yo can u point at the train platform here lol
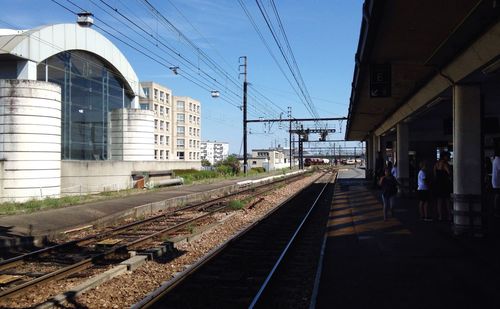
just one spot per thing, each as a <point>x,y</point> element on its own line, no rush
<point>34,228</point>
<point>402,262</point>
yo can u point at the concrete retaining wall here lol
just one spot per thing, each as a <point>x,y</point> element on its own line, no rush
<point>82,177</point>
<point>30,139</point>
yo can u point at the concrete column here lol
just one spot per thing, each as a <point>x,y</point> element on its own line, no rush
<point>26,69</point>
<point>368,157</point>
<point>30,140</point>
<point>132,134</point>
<point>402,159</point>
<point>467,206</point>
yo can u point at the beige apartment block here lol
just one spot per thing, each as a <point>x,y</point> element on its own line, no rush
<point>159,99</point>
<point>186,129</point>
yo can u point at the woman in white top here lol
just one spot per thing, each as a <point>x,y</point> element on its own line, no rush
<point>423,192</point>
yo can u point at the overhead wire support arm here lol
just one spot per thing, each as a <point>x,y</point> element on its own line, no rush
<point>297,119</point>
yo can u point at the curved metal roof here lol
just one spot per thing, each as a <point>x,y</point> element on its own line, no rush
<point>41,43</point>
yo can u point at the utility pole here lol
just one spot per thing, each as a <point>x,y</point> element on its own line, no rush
<point>245,85</point>
<point>290,135</point>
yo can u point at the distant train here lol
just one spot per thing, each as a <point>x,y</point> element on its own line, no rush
<point>315,161</point>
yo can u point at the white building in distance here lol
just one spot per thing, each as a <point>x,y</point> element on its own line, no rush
<point>214,151</point>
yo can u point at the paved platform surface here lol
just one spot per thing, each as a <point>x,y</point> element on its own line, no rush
<point>402,262</point>
<point>68,217</point>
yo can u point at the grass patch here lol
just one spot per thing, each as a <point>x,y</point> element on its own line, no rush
<point>11,208</point>
<point>237,204</point>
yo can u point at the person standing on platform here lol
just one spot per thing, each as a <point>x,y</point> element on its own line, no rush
<point>495,182</point>
<point>389,187</point>
<point>423,192</point>
<point>442,185</point>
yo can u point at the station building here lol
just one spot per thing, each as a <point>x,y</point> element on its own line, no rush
<point>70,119</point>
<point>426,80</point>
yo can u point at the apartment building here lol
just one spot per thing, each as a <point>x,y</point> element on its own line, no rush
<point>186,129</point>
<point>159,99</point>
<point>214,151</point>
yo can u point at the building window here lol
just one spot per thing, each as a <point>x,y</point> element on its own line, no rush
<point>167,110</point>
<point>167,97</point>
<point>161,139</point>
<point>167,126</point>
<point>190,143</point>
<point>156,138</point>
<point>198,120</point>
<point>190,131</point>
<point>180,105</point>
<point>161,154</point>
<point>198,132</point>
<point>146,91</point>
<point>180,143</point>
<point>254,162</point>
<point>190,106</point>
<point>198,109</point>
<point>190,155</point>
<point>198,155</point>
<point>156,154</point>
<point>156,94</point>
<point>162,124</point>
<point>156,123</point>
<point>161,110</point>
<point>144,106</point>
<point>167,140</point>
<point>180,130</point>
<point>166,154</point>
<point>180,118</point>
<point>162,95</point>
<point>180,155</point>
<point>156,109</point>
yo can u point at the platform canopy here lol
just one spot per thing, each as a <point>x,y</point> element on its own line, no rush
<point>403,45</point>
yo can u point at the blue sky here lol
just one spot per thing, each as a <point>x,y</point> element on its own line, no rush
<point>323,35</point>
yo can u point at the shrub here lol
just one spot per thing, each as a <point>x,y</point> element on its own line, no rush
<point>258,169</point>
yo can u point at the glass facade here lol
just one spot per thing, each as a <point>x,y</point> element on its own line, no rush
<point>90,89</point>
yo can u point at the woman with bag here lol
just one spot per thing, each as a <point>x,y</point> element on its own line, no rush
<point>389,186</point>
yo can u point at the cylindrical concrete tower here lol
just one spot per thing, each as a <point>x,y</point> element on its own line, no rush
<point>132,135</point>
<point>30,140</point>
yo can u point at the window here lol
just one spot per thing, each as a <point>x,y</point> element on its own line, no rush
<point>156,108</point>
<point>190,106</point>
<point>190,119</point>
<point>162,96</point>
<point>190,143</point>
<point>146,91</point>
<point>190,131</point>
<point>167,126</point>
<point>156,123</point>
<point>162,124</point>
<point>167,110</point>
<point>144,106</point>
<point>198,132</point>
<point>161,154</point>
<point>156,138</point>
<point>161,110</point>
<point>180,130</point>
<point>198,155</point>
<point>180,105</point>
<point>156,94</point>
<point>190,155</point>
<point>198,109</point>
<point>156,154</point>
<point>180,155</point>
<point>180,142</point>
<point>254,162</point>
<point>180,118</point>
<point>198,120</point>
<point>167,97</point>
<point>166,154</point>
<point>161,140</point>
<point>167,139</point>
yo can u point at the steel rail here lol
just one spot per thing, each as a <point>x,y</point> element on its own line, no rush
<point>15,261</point>
<point>86,263</point>
<point>168,286</point>
<point>289,244</point>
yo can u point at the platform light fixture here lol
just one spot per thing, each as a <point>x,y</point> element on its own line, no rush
<point>492,68</point>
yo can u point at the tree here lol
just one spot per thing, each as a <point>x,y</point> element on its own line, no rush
<point>205,162</point>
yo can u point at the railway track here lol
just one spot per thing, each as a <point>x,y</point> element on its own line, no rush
<point>233,274</point>
<point>112,246</point>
